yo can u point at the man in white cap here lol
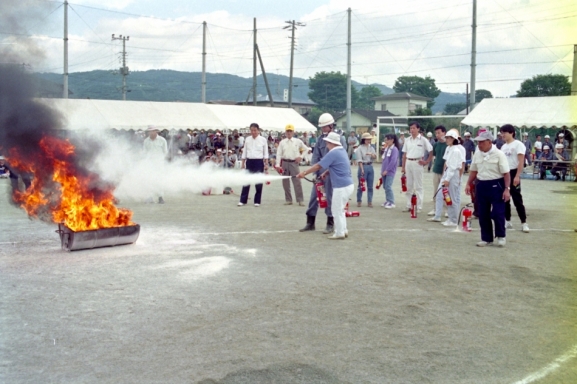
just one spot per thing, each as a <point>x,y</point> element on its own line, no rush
<point>288,157</point>
<point>492,190</point>
<point>561,140</point>
<point>544,161</point>
<point>432,141</point>
<point>549,142</point>
<point>499,141</point>
<point>469,146</point>
<point>365,154</point>
<point>336,163</point>
<point>561,155</point>
<point>156,149</point>
<point>326,124</point>
<point>538,145</point>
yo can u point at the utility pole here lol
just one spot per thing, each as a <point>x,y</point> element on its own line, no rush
<point>254,64</point>
<point>203,81</point>
<point>65,78</point>
<point>292,26</point>
<point>574,78</point>
<point>473,55</point>
<point>264,77</point>
<point>349,74</point>
<point>124,68</point>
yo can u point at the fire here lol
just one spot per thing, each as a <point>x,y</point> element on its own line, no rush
<point>62,193</point>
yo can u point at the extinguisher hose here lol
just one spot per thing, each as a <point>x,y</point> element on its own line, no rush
<point>461,212</point>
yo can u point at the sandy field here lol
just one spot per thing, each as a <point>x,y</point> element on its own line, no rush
<point>215,293</point>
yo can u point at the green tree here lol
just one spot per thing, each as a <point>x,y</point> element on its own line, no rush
<point>329,91</point>
<point>454,108</point>
<point>366,96</point>
<point>419,86</point>
<point>427,125</point>
<point>545,85</point>
<point>481,94</point>
<point>313,116</point>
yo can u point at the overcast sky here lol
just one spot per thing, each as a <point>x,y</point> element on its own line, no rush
<point>516,39</point>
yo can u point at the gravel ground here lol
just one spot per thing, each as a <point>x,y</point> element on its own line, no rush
<point>214,293</point>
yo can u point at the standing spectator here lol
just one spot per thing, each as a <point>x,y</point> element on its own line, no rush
<point>514,150</point>
<point>156,149</point>
<point>202,139</point>
<point>287,162</point>
<point>351,141</point>
<point>548,142</point>
<point>455,161</point>
<point>241,140</point>
<point>326,124</point>
<point>438,161</point>
<point>335,163</point>
<point>528,149</point>
<point>432,141</point>
<point>313,140</point>
<point>413,152</point>
<point>401,145</point>
<point>538,145</point>
<point>389,168</point>
<point>374,137</point>
<point>499,142</point>
<point>365,155</point>
<point>469,146</point>
<point>491,170</point>
<point>254,159</point>
<point>305,139</point>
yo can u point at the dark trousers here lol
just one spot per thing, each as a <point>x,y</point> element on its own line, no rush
<point>517,200</point>
<point>314,204</point>
<point>491,207</point>
<point>253,166</point>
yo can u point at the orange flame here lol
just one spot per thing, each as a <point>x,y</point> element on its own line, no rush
<point>73,200</point>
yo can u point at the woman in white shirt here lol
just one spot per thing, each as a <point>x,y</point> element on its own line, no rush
<point>454,162</point>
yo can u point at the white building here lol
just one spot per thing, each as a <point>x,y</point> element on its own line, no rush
<point>400,103</point>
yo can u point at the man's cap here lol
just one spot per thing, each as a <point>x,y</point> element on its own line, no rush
<point>547,136</point>
<point>498,133</point>
<point>557,146</point>
<point>333,138</point>
<point>525,134</point>
<point>152,128</point>
<point>219,150</point>
<point>289,127</point>
<point>484,136</point>
<point>452,133</point>
<point>546,147</point>
<point>467,134</point>
<point>561,135</point>
<point>2,158</point>
<point>366,135</point>
<point>429,134</point>
<point>230,151</point>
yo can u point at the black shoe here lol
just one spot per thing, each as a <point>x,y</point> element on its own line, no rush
<point>330,226</point>
<point>563,178</point>
<point>160,200</point>
<point>310,224</point>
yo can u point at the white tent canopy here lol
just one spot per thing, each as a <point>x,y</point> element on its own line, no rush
<point>85,114</point>
<point>528,112</point>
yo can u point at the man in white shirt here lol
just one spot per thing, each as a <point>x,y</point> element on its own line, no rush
<point>491,170</point>
<point>414,150</point>
<point>515,152</point>
<point>288,157</point>
<point>156,149</point>
<point>254,159</point>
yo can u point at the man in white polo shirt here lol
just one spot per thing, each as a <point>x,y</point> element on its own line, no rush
<point>254,160</point>
<point>414,150</point>
<point>288,157</point>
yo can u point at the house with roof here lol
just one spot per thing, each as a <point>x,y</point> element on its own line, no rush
<point>362,120</point>
<point>401,104</point>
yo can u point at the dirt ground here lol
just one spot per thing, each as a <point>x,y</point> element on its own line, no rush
<point>215,293</point>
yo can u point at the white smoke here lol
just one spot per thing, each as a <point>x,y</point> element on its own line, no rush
<point>138,177</point>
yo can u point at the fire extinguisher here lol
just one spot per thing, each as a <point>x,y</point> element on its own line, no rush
<point>446,196</point>
<point>414,206</point>
<point>362,184</point>
<point>404,183</point>
<point>379,183</point>
<point>352,213</point>
<point>321,195</point>
<point>467,214</point>
<point>267,182</point>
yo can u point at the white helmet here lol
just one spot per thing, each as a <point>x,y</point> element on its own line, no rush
<point>325,119</point>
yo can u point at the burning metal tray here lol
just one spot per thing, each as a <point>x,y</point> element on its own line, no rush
<point>105,237</point>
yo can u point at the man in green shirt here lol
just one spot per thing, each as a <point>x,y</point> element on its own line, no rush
<point>438,161</point>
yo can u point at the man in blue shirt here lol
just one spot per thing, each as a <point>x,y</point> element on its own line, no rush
<point>336,164</point>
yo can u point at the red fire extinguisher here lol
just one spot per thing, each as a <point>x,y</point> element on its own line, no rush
<point>267,182</point>
<point>404,183</point>
<point>352,213</point>
<point>467,213</point>
<point>362,184</point>
<point>447,197</point>
<point>414,206</point>
<point>321,195</point>
<point>379,183</point>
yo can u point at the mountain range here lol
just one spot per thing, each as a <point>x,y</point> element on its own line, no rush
<point>168,85</point>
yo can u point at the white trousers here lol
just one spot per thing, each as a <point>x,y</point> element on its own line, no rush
<point>414,173</point>
<point>455,193</point>
<point>340,198</point>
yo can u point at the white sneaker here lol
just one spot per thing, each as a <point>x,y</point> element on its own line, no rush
<point>434,219</point>
<point>431,213</point>
<point>446,214</point>
<point>390,206</point>
<point>484,244</point>
<point>449,223</point>
<point>407,209</point>
<point>525,227</point>
<point>240,204</point>
<point>335,237</point>
<point>501,241</point>
<point>384,204</point>
<point>419,210</point>
<point>256,205</point>
<point>508,225</point>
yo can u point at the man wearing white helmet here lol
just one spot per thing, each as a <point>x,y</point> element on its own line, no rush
<point>326,124</point>
<point>549,143</point>
<point>560,168</point>
<point>545,158</point>
<point>561,140</point>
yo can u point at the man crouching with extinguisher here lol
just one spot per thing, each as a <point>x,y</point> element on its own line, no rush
<point>326,123</point>
<point>336,164</point>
